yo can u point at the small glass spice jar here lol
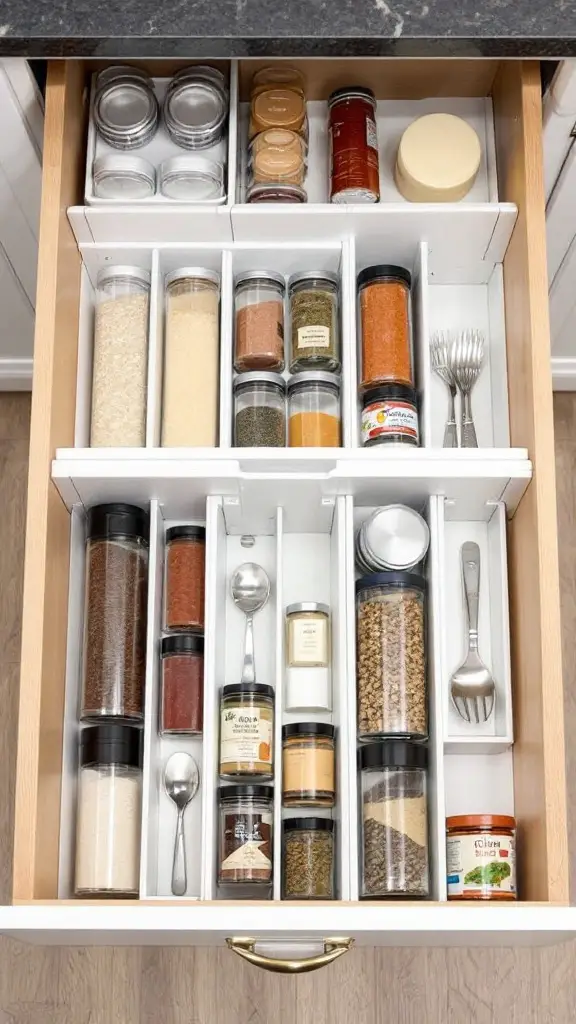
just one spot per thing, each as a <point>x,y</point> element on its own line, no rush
<point>246,730</point>
<point>390,416</point>
<point>125,108</point>
<point>384,293</point>
<point>259,410</point>
<point>315,335</point>
<point>259,310</point>
<point>308,682</point>
<point>277,155</point>
<point>392,537</point>
<point>275,193</point>
<point>195,109</point>
<point>308,859</point>
<point>354,146</point>
<point>314,410</point>
<point>124,177</point>
<point>184,578</point>
<point>246,831</point>
<point>182,687</point>
<point>191,178</point>
<point>278,106</point>
<point>481,857</point>
<point>308,773</point>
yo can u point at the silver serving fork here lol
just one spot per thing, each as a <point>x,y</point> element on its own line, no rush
<point>466,359</point>
<point>472,687</point>
<point>440,346</point>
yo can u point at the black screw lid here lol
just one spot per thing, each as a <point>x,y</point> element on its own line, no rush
<point>183,643</point>
<point>111,743</point>
<point>383,272</point>
<point>118,520</point>
<point>260,689</point>
<point>307,729</point>
<point>388,392</point>
<point>393,754</point>
<point>238,792</point>
<point>350,90</point>
<point>308,824</point>
<point>188,532</point>
<point>392,578</point>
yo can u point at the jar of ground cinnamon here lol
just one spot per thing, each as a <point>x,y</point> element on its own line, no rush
<point>386,343</point>
<point>182,688</point>
<point>184,582</point>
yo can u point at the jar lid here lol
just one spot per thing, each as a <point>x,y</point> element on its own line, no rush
<point>276,193</point>
<point>351,92</point>
<point>186,531</point>
<point>308,606</point>
<point>122,71</point>
<point>308,824</point>
<point>237,792</point>
<point>308,729</point>
<point>258,689</point>
<point>279,74</point>
<point>393,754</point>
<point>182,643</point>
<point>383,272</point>
<point>111,743</point>
<point>480,821</point>
<point>313,275</point>
<point>391,579</point>
<point>260,275</point>
<point>388,392</point>
<point>125,106</point>
<point>394,537</point>
<point>191,177</point>
<point>195,105</point>
<point>314,377</point>
<point>110,273</point>
<point>200,71</point>
<point>260,377</point>
<point>199,273</point>
<point>123,176</point>
<point>117,520</point>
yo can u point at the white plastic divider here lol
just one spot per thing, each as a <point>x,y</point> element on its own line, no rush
<point>421,343</point>
<point>226,349</point>
<point>278,705</point>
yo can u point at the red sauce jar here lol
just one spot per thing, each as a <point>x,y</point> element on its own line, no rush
<point>354,176</point>
<point>182,690</point>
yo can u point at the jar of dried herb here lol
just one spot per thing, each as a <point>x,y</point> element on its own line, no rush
<point>246,828</point>
<point>315,332</point>
<point>386,342</point>
<point>259,410</point>
<point>184,582</point>
<point>308,777</point>
<point>259,334</point>
<point>246,730</point>
<point>182,689</point>
<point>114,661</point>
<point>308,859</point>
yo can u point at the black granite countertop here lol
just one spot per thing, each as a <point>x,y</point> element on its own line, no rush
<point>251,28</point>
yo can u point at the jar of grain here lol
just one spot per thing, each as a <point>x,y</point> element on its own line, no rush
<point>120,359</point>
<point>385,326</point>
<point>314,331</point>
<point>259,410</point>
<point>114,660</point>
<point>191,359</point>
<point>390,655</point>
<point>246,829</point>
<point>308,859</point>
<point>184,578</point>
<point>246,730</point>
<point>308,777</point>
<point>314,410</point>
<point>182,688</point>
<point>259,334</point>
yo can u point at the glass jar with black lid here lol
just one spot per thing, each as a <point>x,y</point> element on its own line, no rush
<point>245,835</point>
<point>259,410</point>
<point>390,416</point>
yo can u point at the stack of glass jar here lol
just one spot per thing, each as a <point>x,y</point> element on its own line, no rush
<point>278,137</point>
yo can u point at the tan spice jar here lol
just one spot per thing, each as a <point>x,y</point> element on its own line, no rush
<point>246,731</point>
<point>384,293</point>
<point>277,155</point>
<point>308,765</point>
<point>278,107</point>
<point>481,857</point>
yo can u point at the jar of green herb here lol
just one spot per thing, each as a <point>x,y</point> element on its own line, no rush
<point>315,335</point>
<point>308,859</point>
<point>259,410</point>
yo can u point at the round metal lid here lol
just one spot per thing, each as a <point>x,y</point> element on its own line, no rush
<point>313,275</point>
<point>314,377</point>
<point>395,537</point>
<point>125,106</point>
<point>260,377</point>
<point>191,164</point>
<point>114,163</point>
<point>193,106</point>
<point>260,275</point>
<point>109,273</point>
<point>308,606</point>
<point>203,273</point>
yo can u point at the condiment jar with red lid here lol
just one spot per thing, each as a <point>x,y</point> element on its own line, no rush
<point>481,857</point>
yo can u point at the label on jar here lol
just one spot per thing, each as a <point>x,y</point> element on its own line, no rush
<point>383,418</point>
<point>371,134</point>
<point>246,736</point>
<point>247,845</point>
<point>480,864</point>
<point>314,336</point>
<point>308,770</point>
<point>308,642</point>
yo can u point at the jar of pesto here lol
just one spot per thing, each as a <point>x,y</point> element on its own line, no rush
<point>314,326</point>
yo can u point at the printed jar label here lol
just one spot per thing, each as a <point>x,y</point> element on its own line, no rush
<point>393,417</point>
<point>308,770</point>
<point>480,864</point>
<point>371,134</point>
<point>308,644</point>
<point>247,844</point>
<point>313,337</point>
<point>246,736</point>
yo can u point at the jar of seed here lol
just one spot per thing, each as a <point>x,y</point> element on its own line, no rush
<point>315,335</point>
<point>259,410</point>
<point>308,859</point>
<point>246,731</point>
<point>259,335</point>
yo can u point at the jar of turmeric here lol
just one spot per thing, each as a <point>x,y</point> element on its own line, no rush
<point>314,410</point>
<point>386,343</point>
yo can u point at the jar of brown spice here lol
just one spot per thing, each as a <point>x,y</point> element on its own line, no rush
<point>182,697</point>
<point>184,583</point>
<point>384,293</point>
<point>259,335</point>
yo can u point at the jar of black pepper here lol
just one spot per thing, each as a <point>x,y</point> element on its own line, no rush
<point>314,321</point>
<point>114,661</point>
<point>259,410</point>
<point>308,859</point>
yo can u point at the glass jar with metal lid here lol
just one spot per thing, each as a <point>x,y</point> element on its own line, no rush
<point>278,74</point>
<point>314,410</point>
<point>191,179</point>
<point>195,109</point>
<point>392,537</point>
<point>354,174</point>
<point>123,176</point>
<point>259,321</point>
<point>259,410</point>
<point>277,155</point>
<point>276,193</point>
<point>315,334</point>
<point>125,108</point>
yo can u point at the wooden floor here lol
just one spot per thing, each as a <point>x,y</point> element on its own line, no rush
<point>119,986</point>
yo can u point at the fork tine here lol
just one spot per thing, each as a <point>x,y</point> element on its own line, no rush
<point>476,703</point>
<point>466,715</point>
<point>485,710</point>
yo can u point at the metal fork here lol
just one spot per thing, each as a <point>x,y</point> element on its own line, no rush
<point>466,359</point>
<point>472,687</point>
<point>440,345</point>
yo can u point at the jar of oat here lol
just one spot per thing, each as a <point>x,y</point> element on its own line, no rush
<point>390,655</point>
<point>259,334</point>
<point>386,343</point>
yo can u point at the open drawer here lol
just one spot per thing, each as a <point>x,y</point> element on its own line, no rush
<point>533,773</point>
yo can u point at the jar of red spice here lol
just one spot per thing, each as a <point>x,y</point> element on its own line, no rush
<point>182,688</point>
<point>184,583</point>
<point>384,293</point>
<point>354,176</point>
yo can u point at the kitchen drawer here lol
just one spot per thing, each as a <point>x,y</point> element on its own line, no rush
<point>536,675</point>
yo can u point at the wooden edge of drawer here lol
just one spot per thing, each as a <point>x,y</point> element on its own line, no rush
<point>539,768</point>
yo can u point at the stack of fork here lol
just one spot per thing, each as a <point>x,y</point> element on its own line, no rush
<point>457,359</point>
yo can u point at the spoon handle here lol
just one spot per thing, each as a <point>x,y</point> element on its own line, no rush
<point>179,879</point>
<point>249,668</point>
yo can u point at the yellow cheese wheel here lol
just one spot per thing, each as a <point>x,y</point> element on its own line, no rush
<point>438,159</point>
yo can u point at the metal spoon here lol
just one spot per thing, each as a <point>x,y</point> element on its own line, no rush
<point>250,588</point>
<point>181,781</point>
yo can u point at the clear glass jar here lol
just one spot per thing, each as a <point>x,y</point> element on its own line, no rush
<point>120,358</point>
<point>185,569</point>
<point>273,193</point>
<point>394,843</point>
<point>182,685</point>
<point>123,177</point>
<point>481,857</point>
<point>391,655</point>
<point>392,537</point>
<point>384,294</point>
<point>109,809</point>
<point>259,328</point>
<point>354,175</point>
<point>308,643</point>
<point>125,108</point>
<point>315,334</point>
<point>114,660</point>
<point>246,834</point>
<point>196,108</point>
<point>191,359</point>
<point>314,410</point>
<point>277,155</point>
<point>246,731</point>
<point>308,859</point>
<point>308,772</point>
<point>259,410</point>
<point>390,416</point>
<point>278,105</point>
<point>278,74</point>
<point>191,179</point>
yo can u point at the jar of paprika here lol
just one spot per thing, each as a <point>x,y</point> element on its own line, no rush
<point>354,176</point>
<point>181,707</point>
<point>386,343</point>
<point>184,583</point>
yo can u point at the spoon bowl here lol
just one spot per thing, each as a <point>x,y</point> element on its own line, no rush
<point>250,589</point>
<point>181,782</point>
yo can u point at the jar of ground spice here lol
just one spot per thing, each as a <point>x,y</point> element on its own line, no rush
<point>384,293</point>
<point>246,730</point>
<point>114,661</point>
<point>246,827</point>
<point>259,410</point>
<point>308,773</point>
<point>308,859</point>
<point>184,582</point>
<point>259,335</point>
<point>182,689</point>
<point>314,410</point>
<point>315,335</point>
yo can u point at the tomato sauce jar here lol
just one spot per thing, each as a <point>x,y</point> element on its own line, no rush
<point>354,176</point>
<point>481,857</point>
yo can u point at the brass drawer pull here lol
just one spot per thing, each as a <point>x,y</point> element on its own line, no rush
<point>333,948</point>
